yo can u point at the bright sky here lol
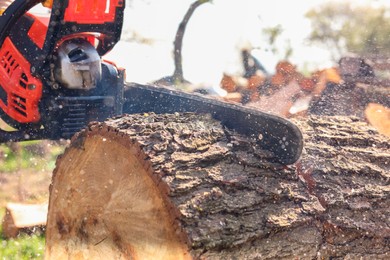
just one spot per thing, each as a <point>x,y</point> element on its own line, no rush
<point>213,36</point>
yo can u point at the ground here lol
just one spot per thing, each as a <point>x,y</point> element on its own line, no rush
<point>25,176</point>
<point>25,170</point>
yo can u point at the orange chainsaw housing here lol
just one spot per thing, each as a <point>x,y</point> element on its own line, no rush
<point>20,92</point>
<point>92,11</point>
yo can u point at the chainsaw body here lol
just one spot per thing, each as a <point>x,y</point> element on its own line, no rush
<point>53,80</point>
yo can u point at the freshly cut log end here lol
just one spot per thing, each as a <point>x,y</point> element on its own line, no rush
<point>106,202</point>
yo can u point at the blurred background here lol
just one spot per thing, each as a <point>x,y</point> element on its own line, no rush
<point>274,30</point>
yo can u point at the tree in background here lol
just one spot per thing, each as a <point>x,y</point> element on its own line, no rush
<point>177,45</point>
<point>343,27</point>
<point>177,78</point>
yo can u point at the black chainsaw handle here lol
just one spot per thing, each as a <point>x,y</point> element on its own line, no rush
<point>12,14</point>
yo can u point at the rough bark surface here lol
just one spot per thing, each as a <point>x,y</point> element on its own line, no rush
<point>211,193</point>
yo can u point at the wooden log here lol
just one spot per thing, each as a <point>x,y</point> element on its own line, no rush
<point>26,218</point>
<point>182,187</point>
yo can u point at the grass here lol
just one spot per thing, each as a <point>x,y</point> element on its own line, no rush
<point>25,172</point>
<point>33,155</point>
<point>24,247</point>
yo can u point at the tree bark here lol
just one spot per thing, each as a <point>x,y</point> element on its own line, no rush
<point>181,186</point>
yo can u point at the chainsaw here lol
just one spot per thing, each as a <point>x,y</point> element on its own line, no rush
<point>54,79</point>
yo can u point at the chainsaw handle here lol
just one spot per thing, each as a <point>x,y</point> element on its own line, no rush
<point>12,14</point>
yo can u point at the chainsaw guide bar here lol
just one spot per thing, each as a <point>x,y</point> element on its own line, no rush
<point>273,133</point>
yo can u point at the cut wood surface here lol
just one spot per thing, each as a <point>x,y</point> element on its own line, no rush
<point>180,187</point>
<point>23,217</point>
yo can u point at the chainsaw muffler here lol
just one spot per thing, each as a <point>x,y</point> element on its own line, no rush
<point>78,65</point>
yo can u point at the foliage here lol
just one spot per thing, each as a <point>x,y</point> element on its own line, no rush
<point>23,247</point>
<point>273,35</point>
<point>343,27</point>
<point>34,155</point>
